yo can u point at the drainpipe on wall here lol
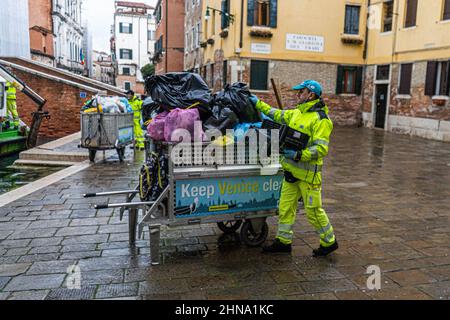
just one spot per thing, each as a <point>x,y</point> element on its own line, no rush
<point>394,37</point>
<point>365,63</point>
<point>241,41</point>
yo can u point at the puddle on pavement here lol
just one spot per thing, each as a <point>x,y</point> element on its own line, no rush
<point>13,178</point>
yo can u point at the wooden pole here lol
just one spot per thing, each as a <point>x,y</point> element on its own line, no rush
<point>277,94</point>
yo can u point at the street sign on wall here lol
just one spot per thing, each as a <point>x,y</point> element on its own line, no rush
<point>261,48</point>
<point>302,42</point>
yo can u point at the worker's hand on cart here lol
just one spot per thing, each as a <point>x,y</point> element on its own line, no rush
<point>292,154</point>
<point>254,100</point>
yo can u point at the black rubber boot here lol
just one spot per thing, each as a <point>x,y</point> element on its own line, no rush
<point>278,246</point>
<point>324,251</point>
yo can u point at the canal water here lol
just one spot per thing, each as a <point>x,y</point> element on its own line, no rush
<point>11,179</point>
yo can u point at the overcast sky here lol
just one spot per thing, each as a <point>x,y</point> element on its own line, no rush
<point>100,16</point>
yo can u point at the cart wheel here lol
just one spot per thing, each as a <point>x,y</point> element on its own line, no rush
<point>121,154</point>
<point>229,226</point>
<point>252,239</point>
<point>92,154</point>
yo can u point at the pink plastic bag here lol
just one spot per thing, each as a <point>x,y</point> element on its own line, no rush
<point>156,128</point>
<point>184,119</point>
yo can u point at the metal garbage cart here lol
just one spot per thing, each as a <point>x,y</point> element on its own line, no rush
<point>236,193</point>
<point>106,131</point>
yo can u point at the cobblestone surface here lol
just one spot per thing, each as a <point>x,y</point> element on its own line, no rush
<point>388,197</point>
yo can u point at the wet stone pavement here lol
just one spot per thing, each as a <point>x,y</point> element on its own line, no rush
<point>387,195</point>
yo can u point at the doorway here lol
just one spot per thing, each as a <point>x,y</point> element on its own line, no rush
<point>381,98</point>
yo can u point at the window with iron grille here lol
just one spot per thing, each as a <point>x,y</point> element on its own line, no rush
<point>388,9</point>
<point>351,19</point>
<point>405,78</point>
<point>411,13</point>
<point>259,74</point>
<point>383,72</point>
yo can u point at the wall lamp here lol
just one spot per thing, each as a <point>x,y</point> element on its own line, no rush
<point>229,16</point>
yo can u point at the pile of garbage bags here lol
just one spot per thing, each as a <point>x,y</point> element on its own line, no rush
<point>182,100</point>
<point>101,104</point>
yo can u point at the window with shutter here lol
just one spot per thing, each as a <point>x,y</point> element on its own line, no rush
<point>225,72</point>
<point>411,13</point>
<point>259,73</point>
<point>405,78</point>
<point>351,19</point>
<point>349,80</point>
<point>225,23</point>
<point>442,79</point>
<point>430,82</point>
<point>446,15</point>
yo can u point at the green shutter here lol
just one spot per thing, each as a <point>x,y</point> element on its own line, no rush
<point>359,79</point>
<point>251,13</point>
<point>430,82</point>
<point>225,19</point>
<point>340,80</point>
<point>120,27</point>
<point>273,13</point>
<point>131,28</point>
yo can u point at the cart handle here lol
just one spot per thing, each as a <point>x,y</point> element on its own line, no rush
<point>112,193</point>
<point>122,205</point>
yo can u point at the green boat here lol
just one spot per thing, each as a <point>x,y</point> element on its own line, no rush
<point>11,142</point>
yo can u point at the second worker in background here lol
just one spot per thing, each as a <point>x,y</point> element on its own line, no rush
<point>136,105</point>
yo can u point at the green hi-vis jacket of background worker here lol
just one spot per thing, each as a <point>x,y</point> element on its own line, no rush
<point>303,168</point>
<point>11,104</point>
<point>136,105</point>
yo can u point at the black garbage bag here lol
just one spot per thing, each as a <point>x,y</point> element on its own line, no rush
<point>149,109</point>
<point>236,97</point>
<point>223,118</point>
<point>180,90</point>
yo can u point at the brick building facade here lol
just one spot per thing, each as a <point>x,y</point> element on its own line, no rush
<point>65,94</point>
<point>41,31</point>
<point>169,45</point>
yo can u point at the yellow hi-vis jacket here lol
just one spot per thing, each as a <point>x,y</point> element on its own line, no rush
<point>312,119</point>
<point>11,91</point>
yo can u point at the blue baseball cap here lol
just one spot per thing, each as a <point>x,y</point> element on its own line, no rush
<point>311,85</point>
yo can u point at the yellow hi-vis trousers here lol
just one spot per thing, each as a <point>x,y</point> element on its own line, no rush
<point>312,197</point>
<point>138,132</point>
<point>11,110</point>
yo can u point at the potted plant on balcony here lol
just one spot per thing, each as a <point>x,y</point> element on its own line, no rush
<point>261,32</point>
<point>210,41</point>
<point>224,33</point>
<point>352,39</point>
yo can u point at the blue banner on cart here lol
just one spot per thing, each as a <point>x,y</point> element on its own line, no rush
<point>125,135</point>
<point>204,197</point>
